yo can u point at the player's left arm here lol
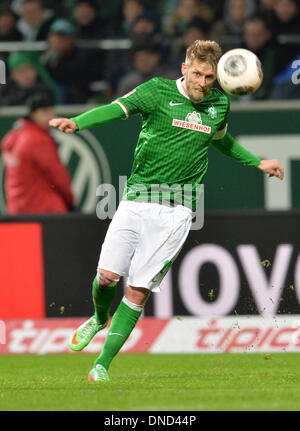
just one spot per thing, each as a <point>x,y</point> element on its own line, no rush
<point>229,146</point>
<point>272,168</point>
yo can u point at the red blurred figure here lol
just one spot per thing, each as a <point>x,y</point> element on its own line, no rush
<point>35,179</point>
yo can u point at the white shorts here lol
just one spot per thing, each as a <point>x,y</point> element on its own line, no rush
<point>143,240</point>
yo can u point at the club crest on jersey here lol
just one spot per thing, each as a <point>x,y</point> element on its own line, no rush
<point>212,112</point>
<point>193,121</point>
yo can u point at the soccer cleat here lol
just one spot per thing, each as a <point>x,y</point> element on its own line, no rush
<point>98,374</point>
<point>84,334</point>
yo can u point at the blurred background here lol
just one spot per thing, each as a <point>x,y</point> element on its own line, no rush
<point>64,57</point>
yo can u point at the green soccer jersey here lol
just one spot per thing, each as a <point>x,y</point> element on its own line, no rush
<point>171,155</point>
<point>172,148</point>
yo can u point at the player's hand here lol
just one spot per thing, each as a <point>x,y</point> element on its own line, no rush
<point>64,124</point>
<point>272,168</point>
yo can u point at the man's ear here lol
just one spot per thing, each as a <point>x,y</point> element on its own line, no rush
<point>183,68</point>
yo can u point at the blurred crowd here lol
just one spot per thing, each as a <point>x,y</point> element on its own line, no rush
<point>73,68</point>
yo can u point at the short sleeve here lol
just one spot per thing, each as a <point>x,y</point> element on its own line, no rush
<point>141,100</point>
<point>226,114</point>
<point>222,130</point>
<point>220,133</point>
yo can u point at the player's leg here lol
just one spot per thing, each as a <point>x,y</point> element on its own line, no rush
<point>115,257</point>
<point>123,322</point>
<point>165,230</point>
<point>103,291</point>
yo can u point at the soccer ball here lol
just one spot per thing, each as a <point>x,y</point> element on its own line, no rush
<point>239,72</point>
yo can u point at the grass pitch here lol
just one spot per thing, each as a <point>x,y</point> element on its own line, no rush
<point>190,382</point>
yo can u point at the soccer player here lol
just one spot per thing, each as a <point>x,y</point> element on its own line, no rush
<point>181,119</point>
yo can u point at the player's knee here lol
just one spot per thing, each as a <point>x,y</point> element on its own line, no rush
<point>107,278</point>
<point>137,295</point>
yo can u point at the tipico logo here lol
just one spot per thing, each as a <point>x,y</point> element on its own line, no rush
<point>2,192</point>
<point>87,163</point>
<point>2,332</point>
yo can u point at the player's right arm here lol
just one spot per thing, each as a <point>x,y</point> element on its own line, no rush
<point>92,118</point>
<point>64,125</point>
<point>141,100</point>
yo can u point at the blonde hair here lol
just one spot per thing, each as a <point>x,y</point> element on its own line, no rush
<point>204,51</point>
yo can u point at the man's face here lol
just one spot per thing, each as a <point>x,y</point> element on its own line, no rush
<point>145,62</point>
<point>60,43</point>
<point>25,76</point>
<point>198,79</point>
<point>132,10</point>
<point>192,34</point>
<point>238,11</point>
<point>187,10</point>
<point>33,14</point>
<point>7,23</point>
<point>285,9</point>
<point>256,35</point>
<point>143,26</point>
<point>85,14</point>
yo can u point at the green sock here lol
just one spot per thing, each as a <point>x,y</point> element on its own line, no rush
<point>103,297</point>
<point>122,324</point>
